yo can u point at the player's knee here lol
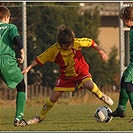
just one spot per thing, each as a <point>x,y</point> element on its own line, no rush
<point>21,86</point>
<point>89,85</point>
<point>54,99</point>
<point>126,85</point>
<point>129,87</point>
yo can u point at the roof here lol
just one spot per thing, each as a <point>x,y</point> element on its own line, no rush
<point>106,8</point>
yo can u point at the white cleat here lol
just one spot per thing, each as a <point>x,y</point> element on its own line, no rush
<point>107,99</point>
<point>34,120</point>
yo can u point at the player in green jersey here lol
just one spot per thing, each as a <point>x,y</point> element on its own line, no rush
<point>126,91</point>
<point>9,70</point>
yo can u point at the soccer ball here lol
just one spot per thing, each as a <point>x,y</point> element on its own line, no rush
<point>101,114</point>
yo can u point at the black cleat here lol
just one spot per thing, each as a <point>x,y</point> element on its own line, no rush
<point>117,113</point>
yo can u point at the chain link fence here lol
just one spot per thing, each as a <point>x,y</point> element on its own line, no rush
<point>96,20</point>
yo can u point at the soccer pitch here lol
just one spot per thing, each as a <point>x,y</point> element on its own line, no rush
<point>66,117</point>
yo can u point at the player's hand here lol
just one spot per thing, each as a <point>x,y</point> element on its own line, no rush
<point>34,63</point>
<point>104,56</point>
<point>26,70</point>
<point>20,60</point>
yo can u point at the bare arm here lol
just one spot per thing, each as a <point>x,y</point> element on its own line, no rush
<point>104,56</point>
<point>21,59</point>
<point>34,63</point>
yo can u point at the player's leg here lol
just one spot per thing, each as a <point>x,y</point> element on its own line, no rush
<point>131,100</point>
<point>20,104</point>
<point>47,106</point>
<point>13,77</point>
<point>62,85</point>
<point>92,87</point>
<point>129,91</point>
<point>85,79</point>
<point>50,103</point>
<point>123,98</point>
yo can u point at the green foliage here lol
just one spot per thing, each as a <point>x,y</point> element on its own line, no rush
<point>49,18</point>
<point>97,67</point>
<point>113,67</point>
<point>43,19</point>
<point>104,73</point>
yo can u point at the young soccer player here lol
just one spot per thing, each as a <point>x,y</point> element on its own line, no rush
<point>126,91</point>
<point>66,53</point>
<point>9,71</point>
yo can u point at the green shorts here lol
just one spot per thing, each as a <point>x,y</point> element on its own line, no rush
<point>128,74</point>
<point>9,71</point>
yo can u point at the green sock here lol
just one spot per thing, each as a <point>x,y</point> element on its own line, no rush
<point>123,98</point>
<point>131,99</point>
<point>20,105</point>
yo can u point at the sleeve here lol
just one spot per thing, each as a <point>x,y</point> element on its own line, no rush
<point>18,42</point>
<point>13,31</point>
<point>46,56</point>
<point>85,42</point>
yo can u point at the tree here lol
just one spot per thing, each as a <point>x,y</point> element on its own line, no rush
<point>43,18</point>
<point>113,68</point>
<point>45,28</point>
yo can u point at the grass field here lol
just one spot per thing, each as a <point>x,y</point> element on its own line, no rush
<point>74,114</point>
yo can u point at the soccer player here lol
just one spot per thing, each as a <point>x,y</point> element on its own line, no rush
<point>126,86</point>
<point>10,73</point>
<point>66,53</point>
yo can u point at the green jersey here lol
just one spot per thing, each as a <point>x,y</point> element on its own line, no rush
<point>9,70</point>
<point>7,33</point>
<point>131,45</point>
<point>128,73</point>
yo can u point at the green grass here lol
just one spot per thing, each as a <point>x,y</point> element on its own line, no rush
<point>66,117</point>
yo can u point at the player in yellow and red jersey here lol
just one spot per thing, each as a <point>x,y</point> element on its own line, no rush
<point>66,53</point>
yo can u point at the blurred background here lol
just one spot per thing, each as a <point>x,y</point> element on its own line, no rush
<point>37,23</point>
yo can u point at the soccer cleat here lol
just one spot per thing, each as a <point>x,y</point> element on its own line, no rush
<point>34,120</point>
<point>18,122</point>
<point>107,99</point>
<point>117,113</point>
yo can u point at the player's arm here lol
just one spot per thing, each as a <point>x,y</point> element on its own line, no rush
<point>21,59</point>
<point>46,56</point>
<point>18,42</point>
<point>100,51</point>
<point>34,63</point>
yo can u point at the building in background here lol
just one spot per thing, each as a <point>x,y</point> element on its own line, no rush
<point>109,30</point>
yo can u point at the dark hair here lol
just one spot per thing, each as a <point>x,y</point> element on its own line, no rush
<point>126,13</point>
<point>4,12</point>
<point>65,35</point>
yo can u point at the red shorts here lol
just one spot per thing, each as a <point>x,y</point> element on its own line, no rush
<point>69,83</point>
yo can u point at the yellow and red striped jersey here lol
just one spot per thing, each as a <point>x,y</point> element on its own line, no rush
<point>71,62</point>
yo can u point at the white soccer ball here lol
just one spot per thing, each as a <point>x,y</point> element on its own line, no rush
<point>101,114</point>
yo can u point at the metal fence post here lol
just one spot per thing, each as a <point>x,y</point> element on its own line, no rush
<point>24,29</point>
<point>121,45</point>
